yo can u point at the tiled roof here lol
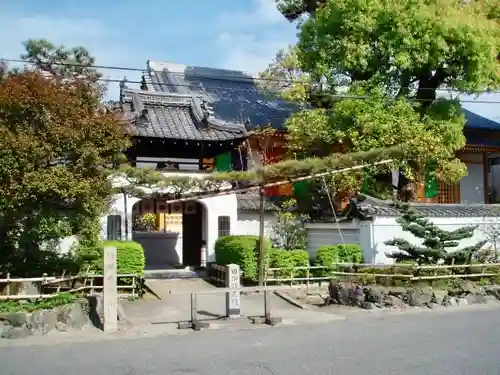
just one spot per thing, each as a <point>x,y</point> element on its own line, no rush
<point>232,95</point>
<point>174,116</point>
<point>251,202</point>
<point>475,121</point>
<point>386,208</point>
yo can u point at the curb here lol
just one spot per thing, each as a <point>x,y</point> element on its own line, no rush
<point>287,298</point>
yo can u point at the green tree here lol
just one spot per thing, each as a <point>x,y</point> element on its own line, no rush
<point>56,145</point>
<point>436,244</point>
<point>288,231</point>
<point>372,71</point>
<point>59,60</point>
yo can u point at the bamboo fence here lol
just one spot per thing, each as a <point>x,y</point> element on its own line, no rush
<point>412,272</point>
<point>67,284</point>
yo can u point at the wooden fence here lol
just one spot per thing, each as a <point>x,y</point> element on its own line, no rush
<point>375,273</point>
<point>50,286</point>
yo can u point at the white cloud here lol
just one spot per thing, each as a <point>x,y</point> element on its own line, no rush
<point>264,12</point>
<point>93,34</point>
<point>249,41</point>
<point>247,52</point>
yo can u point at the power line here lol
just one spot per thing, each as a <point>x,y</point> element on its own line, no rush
<point>243,78</point>
<point>249,90</point>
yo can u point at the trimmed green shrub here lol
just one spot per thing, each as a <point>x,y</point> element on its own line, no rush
<point>129,257</point>
<point>282,259</point>
<point>300,259</point>
<point>243,251</point>
<point>330,254</point>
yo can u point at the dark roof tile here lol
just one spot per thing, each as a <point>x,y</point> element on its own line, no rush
<point>233,95</point>
<point>386,208</point>
<point>251,202</point>
<point>171,116</point>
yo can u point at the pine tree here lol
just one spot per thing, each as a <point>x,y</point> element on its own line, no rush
<point>437,244</point>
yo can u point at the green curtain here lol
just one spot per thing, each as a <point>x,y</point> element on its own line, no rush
<point>223,162</point>
<point>301,189</point>
<point>366,181</point>
<point>431,184</point>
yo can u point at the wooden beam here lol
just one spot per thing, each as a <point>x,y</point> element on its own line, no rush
<point>223,192</point>
<point>486,177</point>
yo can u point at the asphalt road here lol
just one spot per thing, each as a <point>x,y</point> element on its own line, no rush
<point>460,342</point>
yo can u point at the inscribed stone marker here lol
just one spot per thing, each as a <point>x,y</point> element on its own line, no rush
<point>110,295</point>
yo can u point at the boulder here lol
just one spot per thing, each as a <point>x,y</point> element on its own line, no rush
<point>16,333</point>
<point>356,296</point>
<point>15,319</point>
<point>368,305</point>
<point>72,316</point>
<point>376,294</point>
<point>5,327</point>
<point>395,302</point>
<point>338,293</point>
<point>493,290</point>
<point>475,299</point>
<point>42,322</point>
<point>439,296</point>
<point>420,297</point>
<point>449,301</point>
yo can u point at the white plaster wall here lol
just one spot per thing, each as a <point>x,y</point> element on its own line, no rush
<point>248,223</point>
<point>215,206</point>
<point>472,185</point>
<point>226,205</point>
<point>324,234</point>
<point>386,228</point>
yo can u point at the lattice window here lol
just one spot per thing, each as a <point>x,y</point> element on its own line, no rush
<point>224,226</point>
<point>114,228</point>
<point>448,193</point>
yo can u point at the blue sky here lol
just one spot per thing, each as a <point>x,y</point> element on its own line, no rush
<point>236,34</point>
<point>233,34</point>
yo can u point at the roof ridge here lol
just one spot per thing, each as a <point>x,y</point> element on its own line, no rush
<point>203,71</point>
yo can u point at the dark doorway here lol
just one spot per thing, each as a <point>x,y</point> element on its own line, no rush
<point>192,233</point>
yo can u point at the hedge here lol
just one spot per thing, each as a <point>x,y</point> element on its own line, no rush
<point>330,254</point>
<point>287,260</point>
<point>129,258</point>
<point>243,251</point>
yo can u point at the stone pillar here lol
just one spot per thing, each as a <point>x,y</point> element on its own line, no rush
<point>110,295</point>
<point>233,299</point>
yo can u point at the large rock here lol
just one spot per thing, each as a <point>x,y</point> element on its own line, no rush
<point>72,316</point>
<point>420,297</point>
<point>17,333</point>
<point>439,296</point>
<point>356,296</point>
<point>376,294</point>
<point>493,290</point>
<point>15,319</point>
<point>42,322</point>
<point>5,327</point>
<point>395,302</point>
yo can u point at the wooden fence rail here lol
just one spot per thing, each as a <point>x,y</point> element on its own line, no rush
<point>89,286</point>
<point>413,273</point>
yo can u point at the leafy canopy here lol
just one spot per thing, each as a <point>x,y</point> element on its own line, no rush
<point>371,73</point>
<point>56,144</point>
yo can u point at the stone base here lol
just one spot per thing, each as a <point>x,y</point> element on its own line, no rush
<point>41,322</point>
<point>197,326</point>
<point>272,321</point>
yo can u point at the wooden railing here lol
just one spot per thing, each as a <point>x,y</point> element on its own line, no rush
<point>50,286</point>
<point>374,273</point>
